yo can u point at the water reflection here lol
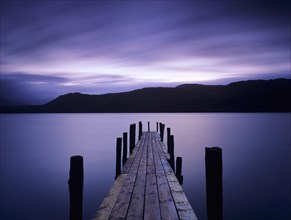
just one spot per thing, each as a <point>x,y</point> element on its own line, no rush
<point>37,147</point>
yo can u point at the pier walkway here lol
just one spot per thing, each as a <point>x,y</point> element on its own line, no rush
<point>147,187</point>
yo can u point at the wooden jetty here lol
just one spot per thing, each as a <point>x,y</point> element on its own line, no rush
<point>147,187</point>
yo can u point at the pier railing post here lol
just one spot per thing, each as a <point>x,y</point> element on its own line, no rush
<point>132,137</point>
<point>179,170</point>
<point>118,157</point>
<point>168,138</point>
<point>124,158</point>
<point>134,134</point>
<point>75,182</point>
<point>171,152</point>
<point>139,130</point>
<point>214,195</point>
<point>163,131</point>
<point>162,128</point>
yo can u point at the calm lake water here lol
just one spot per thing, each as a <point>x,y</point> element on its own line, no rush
<point>36,149</point>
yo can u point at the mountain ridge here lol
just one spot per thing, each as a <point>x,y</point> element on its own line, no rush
<point>243,96</point>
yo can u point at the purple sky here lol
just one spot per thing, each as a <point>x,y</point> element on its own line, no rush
<point>49,48</point>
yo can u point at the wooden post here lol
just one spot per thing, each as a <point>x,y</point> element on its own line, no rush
<point>139,130</point>
<point>149,129</point>
<point>179,170</point>
<point>168,138</point>
<point>124,158</point>
<point>131,137</point>
<point>162,128</point>
<point>172,156</point>
<point>134,134</point>
<point>163,131</point>
<point>118,157</point>
<point>214,196</point>
<point>75,182</point>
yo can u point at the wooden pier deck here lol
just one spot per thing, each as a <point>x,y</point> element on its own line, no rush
<point>147,187</point>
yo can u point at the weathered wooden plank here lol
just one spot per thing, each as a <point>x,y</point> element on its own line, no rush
<point>130,159</point>
<point>163,153</point>
<point>183,206</point>
<point>137,159</point>
<point>150,157</point>
<point>167,206</point>
<point>106,206</point>
<point>121,206</point>
<point>162,145</point>
<point>136,206</point>
<point>152,206</point>
<point>124,183</point>
<point>147,188</point>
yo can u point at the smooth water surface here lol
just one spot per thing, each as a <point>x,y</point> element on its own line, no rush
<point>36,148</point>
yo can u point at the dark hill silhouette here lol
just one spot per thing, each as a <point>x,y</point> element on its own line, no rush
<point>244,96</point>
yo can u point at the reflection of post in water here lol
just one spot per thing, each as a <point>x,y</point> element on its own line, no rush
<point>76,187</point>
<point>213,162</point>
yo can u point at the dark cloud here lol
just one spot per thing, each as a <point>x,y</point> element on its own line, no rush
<point>136,31</point>
<point>149,35</point>
<point>33,78</point>
<point>24,88</point>
<point>29,88</point>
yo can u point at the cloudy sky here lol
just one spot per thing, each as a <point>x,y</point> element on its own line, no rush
<point>49,48</point>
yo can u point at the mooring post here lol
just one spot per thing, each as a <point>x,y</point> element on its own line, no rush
<point>75,182</point>
<point>157,126</point>
<point>131,137</point>
<point>179,170</point>
<point>139,130</point>
<point>163,131</point>
<point>118,157</point>
<point>124,158</point>
<point>214,195</point>
<point>168,138</point>
<point>149,128</point>
<point>171,152</point>
<point>134,134</point>
<point>162,128</point>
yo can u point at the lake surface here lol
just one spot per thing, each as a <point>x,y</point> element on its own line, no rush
<point>36,150</point>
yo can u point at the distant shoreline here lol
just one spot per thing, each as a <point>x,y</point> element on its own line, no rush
<point>240,97</point>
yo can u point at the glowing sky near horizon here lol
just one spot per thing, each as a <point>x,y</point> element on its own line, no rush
<point>49,48</point>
